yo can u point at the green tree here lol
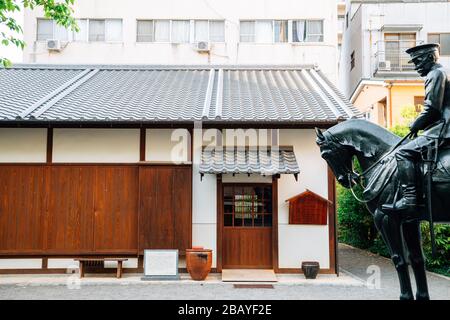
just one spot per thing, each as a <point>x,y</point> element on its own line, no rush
<point>59,10</point>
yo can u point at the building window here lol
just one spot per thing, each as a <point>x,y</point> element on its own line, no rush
<point>217,31</point>
<point>49,29</point>
<point>307,31</point>
<point>418,103</point>
<point>247,205</point>
<point>96,30</point>
<point>443,39</point>
<point>180,31</point>
<point>82,34</point>
<point>213,31</point>
<point>162,30</point>
<point>352,60</point>
<point>264,31</point>
<point>280,28</point>
<point>105,30</point>
<point>144,31</point>
<point>247,31</point>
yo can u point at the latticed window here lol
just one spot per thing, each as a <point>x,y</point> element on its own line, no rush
<point>248,205</point>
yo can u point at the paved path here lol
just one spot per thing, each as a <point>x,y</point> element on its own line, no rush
<point>352,284</point>
<point>363,265</point>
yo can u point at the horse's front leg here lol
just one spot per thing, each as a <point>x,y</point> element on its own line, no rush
<point>389,228</point>
<point>411,234</point>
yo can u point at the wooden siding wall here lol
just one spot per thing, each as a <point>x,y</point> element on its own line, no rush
<point>84,209</point>
<point>165,202</point>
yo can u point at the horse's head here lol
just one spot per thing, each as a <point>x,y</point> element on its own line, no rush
<point>339,158</point>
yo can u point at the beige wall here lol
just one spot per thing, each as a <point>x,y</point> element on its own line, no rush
<point>96,145</point>
<point>23,145</point>
<point>401,94</point>
<point>167,145</point>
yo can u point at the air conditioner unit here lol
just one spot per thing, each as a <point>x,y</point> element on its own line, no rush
<point>202,46</point>
<point>53,45</point>
<point>384,65</point>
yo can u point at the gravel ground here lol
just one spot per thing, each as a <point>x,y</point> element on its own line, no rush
<point>354,283</point>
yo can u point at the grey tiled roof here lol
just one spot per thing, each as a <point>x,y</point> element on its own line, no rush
<point>170,93</point>
<point>247,160</point>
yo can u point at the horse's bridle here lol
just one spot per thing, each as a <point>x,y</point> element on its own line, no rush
<point>355,178</point>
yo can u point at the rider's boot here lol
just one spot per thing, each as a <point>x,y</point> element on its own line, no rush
<point>407,176</point>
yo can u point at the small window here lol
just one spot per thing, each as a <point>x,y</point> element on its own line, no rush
<point>144,31</point>
<point>314,31</point>
<point>81,35</point>
<point>113,30</point>
<point>49,29</point>
<point>180,31</point>
<point>96,30</point>
<point>162,30</point>
<point>247,31</point>
<point>247,205</point>
<point>264,31</point>
<point>443,39</point>
<point>44,29</point>
<point>217,31</point>
<point>201,32</point>
<point>280,30</point>
<point>307,31</point>
<point>418,103</point>
<point>352,60</point>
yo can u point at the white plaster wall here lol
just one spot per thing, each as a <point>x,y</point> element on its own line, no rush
<point>204,208</point>
<point>60,263</point>
<point>167,145</point>
<point>228,52</point>
<point>20,263</point>
<point>96,145</point>
<point>297,243</point>
<point>23,145</point>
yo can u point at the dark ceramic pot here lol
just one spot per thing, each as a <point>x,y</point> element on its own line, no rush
<point>198,263</point>
<point>310,269</point>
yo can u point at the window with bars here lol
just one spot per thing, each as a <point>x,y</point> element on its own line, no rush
<point>247,205</point>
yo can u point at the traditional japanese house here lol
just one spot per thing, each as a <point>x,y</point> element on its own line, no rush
<point>111,160</point>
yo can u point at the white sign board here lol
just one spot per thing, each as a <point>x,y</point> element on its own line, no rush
<point>160,265</point>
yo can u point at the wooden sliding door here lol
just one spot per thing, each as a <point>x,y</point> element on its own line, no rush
<point>165,207</point>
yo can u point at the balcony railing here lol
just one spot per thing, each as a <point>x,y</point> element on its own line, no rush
<point>391,56</point>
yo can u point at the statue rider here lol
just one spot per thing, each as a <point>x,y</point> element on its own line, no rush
<point>434,119</point>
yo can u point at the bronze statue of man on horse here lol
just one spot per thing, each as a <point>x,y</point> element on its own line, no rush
<point>434,119</point>
<point>405,181</point>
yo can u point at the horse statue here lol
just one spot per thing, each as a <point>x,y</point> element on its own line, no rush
<point>374,148</point>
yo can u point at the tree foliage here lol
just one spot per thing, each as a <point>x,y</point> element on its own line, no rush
<point>59,10</point>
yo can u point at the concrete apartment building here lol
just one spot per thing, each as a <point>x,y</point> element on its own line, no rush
<point>374,71</point>
<point>166,32</point>
<point>97,110</point>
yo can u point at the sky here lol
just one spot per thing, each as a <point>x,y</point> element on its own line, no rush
<point>12,52</point>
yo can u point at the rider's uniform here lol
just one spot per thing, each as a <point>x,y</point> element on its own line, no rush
<point>435,117</point>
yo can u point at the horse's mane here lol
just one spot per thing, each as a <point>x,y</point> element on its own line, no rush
<point>366,137</point>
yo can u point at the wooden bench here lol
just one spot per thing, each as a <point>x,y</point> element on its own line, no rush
<point>84,260</point>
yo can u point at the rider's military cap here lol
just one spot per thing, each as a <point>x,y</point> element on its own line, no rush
<point>422,49</point>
